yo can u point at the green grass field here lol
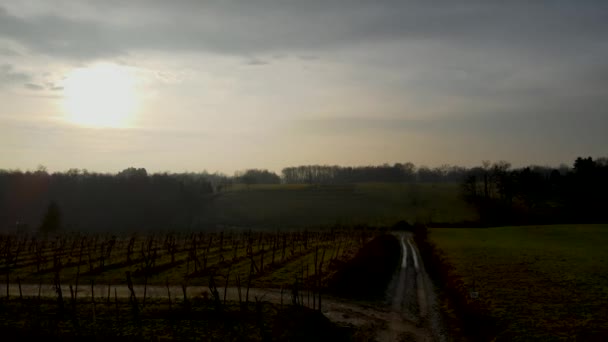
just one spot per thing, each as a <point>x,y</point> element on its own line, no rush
<point>541,282</point>
<point>297,206</point>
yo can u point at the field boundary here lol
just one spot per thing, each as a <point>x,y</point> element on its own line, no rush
<point>466,318</point>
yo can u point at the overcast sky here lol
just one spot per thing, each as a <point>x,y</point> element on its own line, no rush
<point>229,85</point>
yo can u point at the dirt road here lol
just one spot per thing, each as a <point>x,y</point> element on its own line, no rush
<point>412,300</point>
<point>409,313</point>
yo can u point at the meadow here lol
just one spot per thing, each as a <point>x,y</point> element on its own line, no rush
<point>536,282</point>
<point>300,205</point>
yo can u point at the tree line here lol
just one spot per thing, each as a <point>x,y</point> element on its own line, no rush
<point>396,173</point>
<point>135,199</point>
<point>76,199</point>
<point>531,195</point>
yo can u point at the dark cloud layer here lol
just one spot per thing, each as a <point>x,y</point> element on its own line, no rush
<point>543,27</point>
<point>487,41</point>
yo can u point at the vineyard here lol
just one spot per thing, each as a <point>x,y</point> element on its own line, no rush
<point>138,275</point>
<point>262,258</point>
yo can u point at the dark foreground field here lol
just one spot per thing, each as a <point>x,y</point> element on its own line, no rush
<point>529,283</point>
<point>196,320</point>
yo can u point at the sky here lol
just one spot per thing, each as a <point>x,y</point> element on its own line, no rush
<point>229,85</point>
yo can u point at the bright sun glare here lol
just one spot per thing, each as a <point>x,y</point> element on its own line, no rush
<point>102,95</point>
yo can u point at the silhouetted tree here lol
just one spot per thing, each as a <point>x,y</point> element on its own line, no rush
<point>255,176</point>
<point>52,219</point>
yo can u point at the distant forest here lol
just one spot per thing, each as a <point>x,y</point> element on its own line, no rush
<point>135,199</point>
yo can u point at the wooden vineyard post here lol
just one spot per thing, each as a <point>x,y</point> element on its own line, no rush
<point>295,297</point>
<point>302,280</point>
<point>7,261</point>
<point>90,259</point>
<point>284,247</point>
<point>184,290</point>
<point>132,297</point>
<point>238,287</point>
<point>316,260</point>
<point>274,247</point>
<point>93,299</point>
<point>20,293</point>
<point>319,294</point>
<point>308,285</point>
<point>221,241</point>
<point>321,263</point>
<point>58,291</point>
<point>315,277</point>
<point>188,264</point>
<point>337,250</point>
<point>78,268</point>
<point>226,286</point>
<point>320,274</point>
<point>259,241</point>
<point>215,293</point>
<point>145,288</point>
<point>262,260</point>
<point>168,293</point>
<point>117,310</point>
<point>73,300</point>
<point>249,283</point>
<point>236,247</point>
<point>205,259</point>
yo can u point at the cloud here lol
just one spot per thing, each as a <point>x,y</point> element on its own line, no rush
<point>308,57</point>
<point>12,76</point>
<point>58,36</point>
<point>477,49</point>
<point>4,51</point>
<point>32,86</point>
<point>257,62</point>
<point>8,75</point>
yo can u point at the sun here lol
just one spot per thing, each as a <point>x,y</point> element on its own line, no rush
<point>101,95</point>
